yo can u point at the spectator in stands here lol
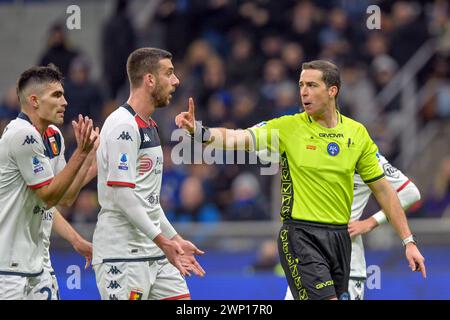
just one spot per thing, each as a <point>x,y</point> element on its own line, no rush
<point>86,208</point>
<point>58,52</point>
<point>293,57</point>
<point>193,205</point>
<point>357,97</point>
<point>118,41</point>
<point>9,107</point>
<point>267,258</point>
<point>247,202</point>
<point>438,200</point>
<point>82,94</point>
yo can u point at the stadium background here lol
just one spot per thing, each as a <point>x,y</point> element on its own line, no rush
<point>240,61</point>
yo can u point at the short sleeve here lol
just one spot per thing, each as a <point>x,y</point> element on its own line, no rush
<point>368,166</point>
<point>122,146</point>
<point>266,135</point>
<point>27,150</point>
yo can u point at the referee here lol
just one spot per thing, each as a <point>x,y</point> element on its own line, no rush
<point>320,150</point>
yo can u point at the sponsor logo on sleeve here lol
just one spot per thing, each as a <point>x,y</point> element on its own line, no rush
<point>125,136</point>
<point>29,140</point>
<point>37,165</point>
<point>391,171</point>
<point>123,162</point>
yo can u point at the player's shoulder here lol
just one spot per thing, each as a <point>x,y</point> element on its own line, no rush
<point>119,118</point>
<point>351,122</point>
<point>281,122</point>
<point>356,127</point>
<point>19,129</point>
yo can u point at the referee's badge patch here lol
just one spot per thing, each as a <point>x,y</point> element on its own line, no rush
<point>333,149</point>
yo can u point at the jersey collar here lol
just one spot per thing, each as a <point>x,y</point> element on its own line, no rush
<point>23,116</point>
<point>338,114</point>
<point>149,123</point>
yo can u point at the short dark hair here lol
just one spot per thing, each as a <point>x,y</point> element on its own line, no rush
<point>38,75</point>
<point>143,61</point>
<point>330,72</point>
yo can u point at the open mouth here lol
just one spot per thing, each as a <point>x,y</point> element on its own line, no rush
<point>307,104</point>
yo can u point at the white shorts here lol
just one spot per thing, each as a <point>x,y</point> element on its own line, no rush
<point>16,287</point>
<point>48,281</point>
<point>356,288</point>
<point>140,280</point>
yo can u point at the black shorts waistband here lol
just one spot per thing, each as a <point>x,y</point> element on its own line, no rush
<point>315,224</point>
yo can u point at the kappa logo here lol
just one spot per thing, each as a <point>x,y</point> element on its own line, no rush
<point>113,297</point>
<point>114,285</point>
<point>146,138</point>
<point>114,270</point>
<point>125,136</point>
<point>29,140</point>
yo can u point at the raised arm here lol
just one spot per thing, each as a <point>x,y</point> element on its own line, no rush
<point>52,193</point>
<point>221,138</point>
<point>87,172</point>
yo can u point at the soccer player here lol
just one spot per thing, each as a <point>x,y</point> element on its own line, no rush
<point>53,219</point>
<point>137,253</point>
<point>28,186</point>
<point>320,150</point>
<point>407,193</point>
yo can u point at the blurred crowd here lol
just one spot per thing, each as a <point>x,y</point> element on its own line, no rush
<point>240,60</point>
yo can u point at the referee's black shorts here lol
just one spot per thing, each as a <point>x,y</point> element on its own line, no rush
<point>316,259</point>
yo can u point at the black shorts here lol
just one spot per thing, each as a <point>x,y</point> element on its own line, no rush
<point>316,259</point>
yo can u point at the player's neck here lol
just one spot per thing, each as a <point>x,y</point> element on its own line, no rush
<point>40,124</point>
<point>328,119</point>
<point>141,104</point>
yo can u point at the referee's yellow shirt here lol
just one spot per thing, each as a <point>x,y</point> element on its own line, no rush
<point>318,164</point>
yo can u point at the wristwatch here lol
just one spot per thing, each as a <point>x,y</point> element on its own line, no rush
<point>411,239</point>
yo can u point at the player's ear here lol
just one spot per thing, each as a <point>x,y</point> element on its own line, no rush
<point>149,80</point>
<point>33,101</point>
<point>332,91</point>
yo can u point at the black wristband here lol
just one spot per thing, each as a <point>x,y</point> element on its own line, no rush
<point>201,133</point>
